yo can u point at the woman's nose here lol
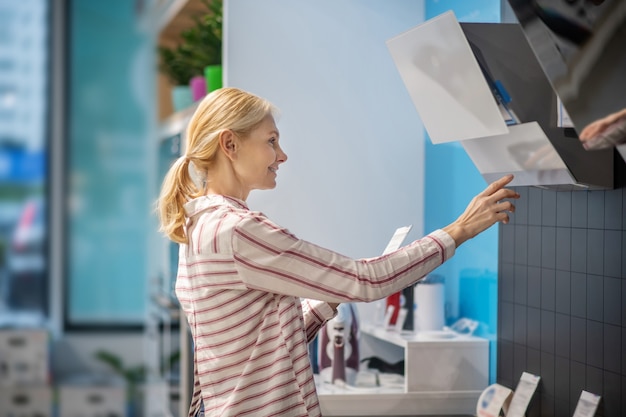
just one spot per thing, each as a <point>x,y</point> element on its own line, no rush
<point>281,156</point>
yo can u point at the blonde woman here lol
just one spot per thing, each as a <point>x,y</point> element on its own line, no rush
<point>253,293</point>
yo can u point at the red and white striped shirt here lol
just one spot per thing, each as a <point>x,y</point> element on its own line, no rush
<point>241,279</point>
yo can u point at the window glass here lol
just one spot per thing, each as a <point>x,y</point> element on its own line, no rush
<point>24,136</point>
<point>110,105</point>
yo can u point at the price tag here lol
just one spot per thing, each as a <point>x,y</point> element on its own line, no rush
<point>587,405</point>
<point>522,395</point>
<point>397,239</point>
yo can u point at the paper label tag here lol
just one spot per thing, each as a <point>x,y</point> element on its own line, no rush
<point>587,405</point>
<point>522,395</point>
<point>397,239</point>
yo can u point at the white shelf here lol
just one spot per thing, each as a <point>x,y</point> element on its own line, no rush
<point>443,375</point>
<point>341,402</point>
<point>416,339</point>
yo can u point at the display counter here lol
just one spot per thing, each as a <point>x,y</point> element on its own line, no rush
<point>445,373</point>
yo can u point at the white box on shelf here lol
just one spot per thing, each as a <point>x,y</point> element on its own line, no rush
<point>24,357</point>
<point>26,401</point>
<point>443,376</point>
<point>439,361</point>
<point>92,397</point>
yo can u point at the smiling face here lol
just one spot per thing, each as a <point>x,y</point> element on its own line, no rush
<point>258,157</point>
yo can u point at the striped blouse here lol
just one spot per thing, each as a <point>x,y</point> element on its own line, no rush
<point>247,287</point>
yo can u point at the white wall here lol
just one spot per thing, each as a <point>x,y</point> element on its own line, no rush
<point>353,137</point>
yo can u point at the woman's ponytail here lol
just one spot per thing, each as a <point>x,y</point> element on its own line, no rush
<point>177,189</point>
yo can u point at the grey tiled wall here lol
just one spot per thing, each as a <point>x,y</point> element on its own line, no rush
<point>562,298</point>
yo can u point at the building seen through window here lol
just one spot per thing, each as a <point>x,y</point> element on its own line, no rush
<point>24,137</point>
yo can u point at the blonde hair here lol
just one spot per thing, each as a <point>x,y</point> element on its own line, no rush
<point>223,109</point>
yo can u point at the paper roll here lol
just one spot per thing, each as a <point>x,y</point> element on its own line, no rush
<point>430,301</point>
<point>493,401</point>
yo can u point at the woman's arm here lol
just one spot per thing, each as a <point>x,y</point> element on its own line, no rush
<point>316,314</point>
<point>269,258</point>
<point>486,209</point>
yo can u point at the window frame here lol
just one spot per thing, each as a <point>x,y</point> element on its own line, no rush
<point>57,114</point>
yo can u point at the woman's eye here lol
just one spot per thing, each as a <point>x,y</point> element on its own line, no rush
<point>272,141</point>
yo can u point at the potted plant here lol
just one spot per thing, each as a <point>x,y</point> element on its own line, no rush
<point>198,53</point>
<point>132,376</point>
<point>135,376</point>
<point>175,66</point>
<point>211,25</point>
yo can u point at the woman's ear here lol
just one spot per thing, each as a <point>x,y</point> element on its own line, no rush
<point>228,143</point>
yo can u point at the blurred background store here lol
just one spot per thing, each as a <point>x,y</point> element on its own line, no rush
<point>24,144</point>
<point>91,117</point>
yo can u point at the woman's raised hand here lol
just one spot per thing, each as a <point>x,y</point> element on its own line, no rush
<point>485,209</point>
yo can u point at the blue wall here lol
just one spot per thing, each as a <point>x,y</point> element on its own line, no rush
<point>451,181</point>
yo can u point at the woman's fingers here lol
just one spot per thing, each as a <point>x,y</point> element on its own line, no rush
<point>497,185</point>
<point>504,206</point>
<point>502,210</point>
<point>503,193</point>
<point>486,208</point>
<point>495,201</point>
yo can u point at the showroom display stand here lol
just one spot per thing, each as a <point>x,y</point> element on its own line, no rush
<point>445,373</point>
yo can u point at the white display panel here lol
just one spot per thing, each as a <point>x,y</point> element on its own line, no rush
<point>525,152</point>
<point>525,147</point>
<point>445,82</point>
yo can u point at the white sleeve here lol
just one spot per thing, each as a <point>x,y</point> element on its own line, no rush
<point>270,258</point>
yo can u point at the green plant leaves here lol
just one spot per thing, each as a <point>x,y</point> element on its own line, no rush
<point>200,47</point>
